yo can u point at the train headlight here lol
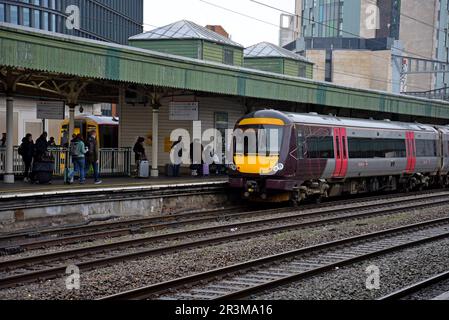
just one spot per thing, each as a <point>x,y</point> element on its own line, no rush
<point>233,167</point>
<point>278,167</point>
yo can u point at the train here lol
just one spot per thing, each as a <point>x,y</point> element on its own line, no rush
<point>107,129</point>
<point>320,156</point>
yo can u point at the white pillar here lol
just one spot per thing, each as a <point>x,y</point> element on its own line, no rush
<point>71,121</point>
<point>155,147</point>
<point>9,167</point>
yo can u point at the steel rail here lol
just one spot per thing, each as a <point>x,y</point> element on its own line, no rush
<point>416,287</point>
<point>133,224</point>
<point>147,224</point>
<point>175,287</point>
<point>84,265</point>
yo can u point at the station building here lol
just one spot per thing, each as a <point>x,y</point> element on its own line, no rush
<point>158,91</point>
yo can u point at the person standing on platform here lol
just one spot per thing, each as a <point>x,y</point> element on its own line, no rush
<point>78,151</point>
<point>26,151</point>
<point>139,150</point>
<point>41,147</point>
<point>196,152</point>
<point>52,143</point>
<point>92,156</point>
<point>3,141</point>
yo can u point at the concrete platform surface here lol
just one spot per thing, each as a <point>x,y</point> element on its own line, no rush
<point>22,190</point>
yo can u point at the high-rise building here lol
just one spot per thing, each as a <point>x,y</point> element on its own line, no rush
<point>366,29</point>
<point>106,20</point>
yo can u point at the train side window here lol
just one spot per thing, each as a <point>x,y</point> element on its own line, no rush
<point>320,147</point>
<point>426,148</point>
<point>368,148</point>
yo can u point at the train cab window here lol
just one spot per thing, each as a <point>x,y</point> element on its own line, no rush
<point>426,148</point>
<point>260,139</point>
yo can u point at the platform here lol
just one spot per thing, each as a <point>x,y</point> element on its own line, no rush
<point>25,190</point>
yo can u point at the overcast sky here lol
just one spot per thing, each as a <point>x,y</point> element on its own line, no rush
<point>243,30</point>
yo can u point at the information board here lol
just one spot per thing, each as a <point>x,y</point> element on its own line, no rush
<point>184,111</point>
<point>54,110</point>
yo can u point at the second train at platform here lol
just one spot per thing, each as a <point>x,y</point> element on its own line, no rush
<point>320,156</point>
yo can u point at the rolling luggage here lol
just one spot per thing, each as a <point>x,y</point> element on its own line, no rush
<point>206,170</point>
<point>143,169</point>
<point>43,171</point>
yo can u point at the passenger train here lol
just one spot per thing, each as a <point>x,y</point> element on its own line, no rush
<point>321,156</point>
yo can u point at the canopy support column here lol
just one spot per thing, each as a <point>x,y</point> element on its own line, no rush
<point>9,163</point>
<point>155,146</point>
<point>71,120</point>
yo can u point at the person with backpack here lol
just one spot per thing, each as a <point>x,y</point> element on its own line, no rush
<point>78,151</point>
<point>26,151</point>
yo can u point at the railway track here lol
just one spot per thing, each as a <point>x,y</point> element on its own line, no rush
<point>428,288</point>
<point>246,279</point>
<point>16,271</point>
<point>36,239</point>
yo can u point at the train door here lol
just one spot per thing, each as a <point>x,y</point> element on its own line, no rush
<point>341,152</point>
<point>411,152</point>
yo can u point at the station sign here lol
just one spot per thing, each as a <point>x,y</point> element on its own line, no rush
<point>184,111</point>
<point>54,110</point>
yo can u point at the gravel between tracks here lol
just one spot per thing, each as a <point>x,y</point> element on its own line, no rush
<point>218,222</point>
<point>132,274</point>
<point>397,270</point>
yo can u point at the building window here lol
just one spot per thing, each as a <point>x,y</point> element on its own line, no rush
<point>228,57</point>
<point>14,14</point>
<point>26,17</point>
<point>2,12</point>
<point>302,70</point>
<point>53,22</point>
<point>328,66</point>
<point>36,19</point>
<point>45,20</point>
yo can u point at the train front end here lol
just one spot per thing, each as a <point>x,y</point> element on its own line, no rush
<point>261,163</point>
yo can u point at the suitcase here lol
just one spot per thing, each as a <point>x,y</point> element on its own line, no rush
<point>43,171</point>
<point>143,170</point>
<point>206,170</point>
<point>43,177</point>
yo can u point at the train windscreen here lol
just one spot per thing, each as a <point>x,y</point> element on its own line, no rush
<point>263,140</point>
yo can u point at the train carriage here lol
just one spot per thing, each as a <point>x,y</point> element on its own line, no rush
<point>320,156</point>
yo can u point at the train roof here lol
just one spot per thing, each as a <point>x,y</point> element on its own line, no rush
<point>317,119</point>
<point>101,120</point>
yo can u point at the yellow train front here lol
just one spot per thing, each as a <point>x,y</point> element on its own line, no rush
<point>105,127</point>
